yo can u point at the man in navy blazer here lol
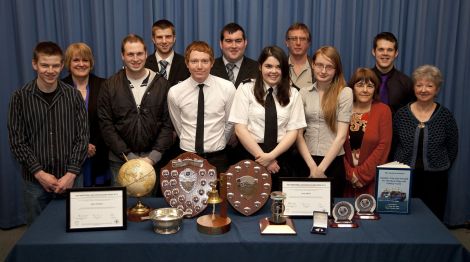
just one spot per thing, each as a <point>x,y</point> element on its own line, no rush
<point>233,65</point>
<point>165,60</point>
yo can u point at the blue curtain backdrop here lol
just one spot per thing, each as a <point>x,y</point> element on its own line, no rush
<point>429,32</point>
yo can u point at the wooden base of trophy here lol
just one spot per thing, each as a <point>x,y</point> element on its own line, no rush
<point>213,224</point>
<point>343,224</point>
<point>268,228</point>
<point>137,212</point>
<point>367,216</point>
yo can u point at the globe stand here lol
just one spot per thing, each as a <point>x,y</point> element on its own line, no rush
<point>138,211</point>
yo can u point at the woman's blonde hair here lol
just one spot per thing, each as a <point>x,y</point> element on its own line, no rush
<point>330,97</point>
<point>80,49</point>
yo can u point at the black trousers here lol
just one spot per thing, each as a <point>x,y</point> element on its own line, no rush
<point>431,187</point>
<point>337,172</point>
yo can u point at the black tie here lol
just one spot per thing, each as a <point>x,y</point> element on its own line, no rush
<point>200,121</point>
<point>270,124</point>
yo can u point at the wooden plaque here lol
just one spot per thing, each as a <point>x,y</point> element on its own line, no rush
<point>248,186</point>
<point>185,182</point>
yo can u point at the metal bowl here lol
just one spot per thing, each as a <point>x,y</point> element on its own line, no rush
<point>166,220</point>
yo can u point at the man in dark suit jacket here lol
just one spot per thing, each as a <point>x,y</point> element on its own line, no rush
<point>233,44</point>
<point>164,38</point>
<point>396,88</point>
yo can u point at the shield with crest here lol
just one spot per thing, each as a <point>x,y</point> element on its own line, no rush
<point>185,182</point>
<point>248,186</point>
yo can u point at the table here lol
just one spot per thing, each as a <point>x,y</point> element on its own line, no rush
<point>419,236</point>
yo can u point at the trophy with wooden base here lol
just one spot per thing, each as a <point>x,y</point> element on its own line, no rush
<point>277,224</point>
<point>215,224</point>
<point>343,213</point>
<point>365,207</point>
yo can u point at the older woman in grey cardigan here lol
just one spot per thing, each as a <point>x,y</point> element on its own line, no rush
<point>427,139</point>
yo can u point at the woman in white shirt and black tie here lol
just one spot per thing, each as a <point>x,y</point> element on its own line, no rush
<point>268,113</point>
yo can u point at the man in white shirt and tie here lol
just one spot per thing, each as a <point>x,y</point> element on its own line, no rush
<point>199,108</point>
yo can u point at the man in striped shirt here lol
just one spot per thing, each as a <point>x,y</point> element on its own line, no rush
<point>48,131</point>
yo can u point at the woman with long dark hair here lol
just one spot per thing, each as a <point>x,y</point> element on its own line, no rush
<point>268,113</point>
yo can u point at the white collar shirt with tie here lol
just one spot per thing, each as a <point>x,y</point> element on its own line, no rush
<point>236,68</point>
<point>183,104</point>
<point>169,59</point>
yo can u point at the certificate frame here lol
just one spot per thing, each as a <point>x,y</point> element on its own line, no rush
<point>393,190</point>
<point>96,208</point>
<point>316,190</point>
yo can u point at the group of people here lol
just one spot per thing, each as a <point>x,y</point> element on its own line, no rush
<point>296,115</point>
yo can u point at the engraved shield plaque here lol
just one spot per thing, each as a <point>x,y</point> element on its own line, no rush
<point>248,186</point>
<point>185,182</point>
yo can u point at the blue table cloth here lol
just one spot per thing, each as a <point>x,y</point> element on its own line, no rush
<point>418,236</point>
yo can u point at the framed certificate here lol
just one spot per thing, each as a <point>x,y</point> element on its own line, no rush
<point>393,188</point>
<point>96,208</point>
<point>306,195</point>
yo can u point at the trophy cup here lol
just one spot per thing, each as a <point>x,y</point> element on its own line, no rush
<point>277,223</point>
<point>365,205</point>
<point>214,224</point>
<point>343,213</point>
<point>139,179</point>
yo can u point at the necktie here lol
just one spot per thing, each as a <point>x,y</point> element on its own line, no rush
<point>200,121</point>
<point>230,67</point>
<point>383,91</point>
<point>270,124</point>
<point>163,64</point>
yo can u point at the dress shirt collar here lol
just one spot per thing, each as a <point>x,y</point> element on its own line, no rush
<point>169,59</point>
<point>313,87</point>
<point>238,63</point>
<point>207,82</point>
<point>266,87</point>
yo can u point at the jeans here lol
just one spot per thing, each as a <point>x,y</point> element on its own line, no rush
<point>36,198</point>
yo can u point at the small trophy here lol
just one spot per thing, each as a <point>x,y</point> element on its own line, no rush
<point>277,223</point>
<point>214,224</point>
<point>343,213</point>
<point>365,205</point>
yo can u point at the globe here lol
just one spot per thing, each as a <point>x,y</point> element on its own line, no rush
<point>138,177</point>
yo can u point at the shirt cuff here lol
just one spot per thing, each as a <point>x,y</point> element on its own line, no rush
<point>155,156</point>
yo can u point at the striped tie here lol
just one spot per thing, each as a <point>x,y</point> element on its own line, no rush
<point>230,67</point>
<point>163,65</point>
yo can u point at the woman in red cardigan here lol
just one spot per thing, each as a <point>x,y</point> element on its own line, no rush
<point>370,134</point>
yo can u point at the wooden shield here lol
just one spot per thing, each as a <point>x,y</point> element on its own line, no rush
<point>185,182</point>
<point>248,186</point>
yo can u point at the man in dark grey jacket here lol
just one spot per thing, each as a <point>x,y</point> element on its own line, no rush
<point>133,110</point>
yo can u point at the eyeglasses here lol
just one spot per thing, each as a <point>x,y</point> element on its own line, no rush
<point>321,67</point>
<point>296,38</point>
<point>363,84</point>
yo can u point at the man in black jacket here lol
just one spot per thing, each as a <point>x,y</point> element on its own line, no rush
<point>233,65</point>
<point>165,60</point>
<point>133,111</point>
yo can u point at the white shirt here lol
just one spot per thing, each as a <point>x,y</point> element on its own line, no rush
<point>137,89</point>
<point>236,68</point>
<point>247,111</point>
<point>182,104</point>
<point>169,59</point>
